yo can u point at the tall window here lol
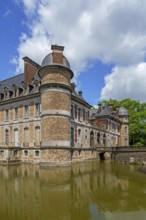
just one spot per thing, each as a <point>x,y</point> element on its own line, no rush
<point>83,114</point>
<point>98,138</point>
<point>26,137</point>
<point>75,111</point>
<point>7,137</point>
<point>104,139</point>
<point>26,111</point>
<point>37,136</point>
<point>16,113</point>
<point>72,137</point>
<point>37,109</point>
<point>79,114</point>
<point>7,115</point>
<point>72,112</point>
<point>91,139</point>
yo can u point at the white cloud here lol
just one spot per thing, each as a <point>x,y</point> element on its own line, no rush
<point>29,6</point>
<point>125,82</point>
<point>112,31</point>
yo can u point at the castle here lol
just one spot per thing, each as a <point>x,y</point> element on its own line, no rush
<point>44,120</point>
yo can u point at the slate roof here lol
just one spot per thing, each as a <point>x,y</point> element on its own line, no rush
<point>105,111</point>
<point>15,80</point>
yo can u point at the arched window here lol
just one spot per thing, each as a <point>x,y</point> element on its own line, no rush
<point>126,142</point>
<point>79,132</point>
<point>16,138</point>
<point>91,139</point>
<point>104,139</point>
<point>98,138</point>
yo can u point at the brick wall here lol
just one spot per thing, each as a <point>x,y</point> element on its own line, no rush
<point>59,77</point>
<point>55,128</point>
<point>29,72</point>
<point>55,100</point>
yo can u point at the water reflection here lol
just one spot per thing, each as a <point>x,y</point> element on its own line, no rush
<point>93,190</point>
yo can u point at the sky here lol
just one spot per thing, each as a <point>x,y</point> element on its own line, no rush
<point>104,40</point>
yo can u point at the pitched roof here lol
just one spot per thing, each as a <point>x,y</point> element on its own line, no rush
<point>17,80</point>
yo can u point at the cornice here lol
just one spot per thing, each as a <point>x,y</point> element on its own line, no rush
<point>20,98</point>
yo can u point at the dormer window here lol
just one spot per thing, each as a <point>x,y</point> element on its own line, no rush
<point>30,88</point>
<point>25,89</point>
<point>1,96</point>
<point>15,90</point>
<point>10,94</point>
<point>20,90</point>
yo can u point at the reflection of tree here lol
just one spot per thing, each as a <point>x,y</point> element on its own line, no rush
<point>110,187</point>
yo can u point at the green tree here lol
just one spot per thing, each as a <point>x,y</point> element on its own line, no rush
<point>137,119</point>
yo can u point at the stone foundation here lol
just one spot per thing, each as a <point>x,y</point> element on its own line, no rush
<point>135,157</point>
<point>46,156</point>
<point>81,155</point>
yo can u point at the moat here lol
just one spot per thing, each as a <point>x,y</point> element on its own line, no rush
<point>85,191</point>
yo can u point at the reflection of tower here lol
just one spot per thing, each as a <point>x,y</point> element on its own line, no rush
<point>55,92</point>
<point>124,133</point>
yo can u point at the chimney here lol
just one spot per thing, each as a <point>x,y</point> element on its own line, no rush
<point>57,54</point>
<point>117,111</point>
<point>110,107</point>
<point>99,108</point>
<point>80,93</point>
<point>73,86</point>
<point>30,69</point>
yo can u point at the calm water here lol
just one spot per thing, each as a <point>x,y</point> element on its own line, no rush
<point>92,191</point>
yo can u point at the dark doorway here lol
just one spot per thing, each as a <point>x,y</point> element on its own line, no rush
<point>101,156</point>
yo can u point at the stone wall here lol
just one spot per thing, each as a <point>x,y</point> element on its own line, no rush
<point>131,157</point>
<point>81,155</point>
<point>47,157</point>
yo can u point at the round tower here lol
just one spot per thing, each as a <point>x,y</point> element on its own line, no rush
<point>55,92</point>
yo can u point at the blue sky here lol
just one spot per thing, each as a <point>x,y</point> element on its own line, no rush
<point>105,42</point>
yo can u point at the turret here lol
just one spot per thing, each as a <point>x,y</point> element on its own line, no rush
<point>55,92</point>
<point>124,132</point>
